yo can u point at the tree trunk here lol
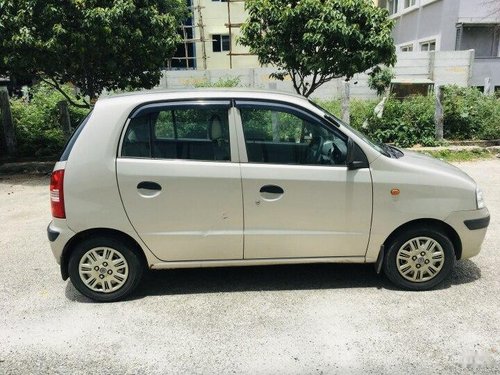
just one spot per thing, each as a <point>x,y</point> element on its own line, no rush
<point>7,124</point>
<point>64,118</point>
<point>346,96</point>
<point>438,116</point>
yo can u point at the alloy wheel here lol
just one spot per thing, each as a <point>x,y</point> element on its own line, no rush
<point>420,259</point>
<point>103,269</point>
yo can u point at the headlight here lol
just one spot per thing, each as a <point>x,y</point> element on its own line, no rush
<point>479,199</point>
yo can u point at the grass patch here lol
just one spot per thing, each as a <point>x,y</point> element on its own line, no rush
<point>462,155</point>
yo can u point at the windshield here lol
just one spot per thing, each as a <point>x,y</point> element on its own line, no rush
<point>380,147</point>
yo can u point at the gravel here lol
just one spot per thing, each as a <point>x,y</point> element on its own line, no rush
<point>286,319</point>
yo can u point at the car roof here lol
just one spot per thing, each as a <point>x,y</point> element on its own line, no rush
<point>140,97</point>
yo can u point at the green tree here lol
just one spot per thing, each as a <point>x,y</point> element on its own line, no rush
<point>95,44</point>
<point>315,41</point>
<point>380,79</point>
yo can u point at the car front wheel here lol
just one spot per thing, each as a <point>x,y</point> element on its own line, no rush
<point>419,259</point>
<point>105,269</point>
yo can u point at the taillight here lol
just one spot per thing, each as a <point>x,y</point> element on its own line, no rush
<point>57,194</point>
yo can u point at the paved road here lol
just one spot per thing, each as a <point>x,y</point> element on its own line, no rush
<point>270,320</point>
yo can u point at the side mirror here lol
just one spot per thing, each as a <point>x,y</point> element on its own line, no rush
<point>356,158</point>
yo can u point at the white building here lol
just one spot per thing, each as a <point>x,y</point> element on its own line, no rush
<point>449,25</point>
<point>212,35</point>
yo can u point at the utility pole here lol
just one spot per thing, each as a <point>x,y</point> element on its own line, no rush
<point>438,115</point>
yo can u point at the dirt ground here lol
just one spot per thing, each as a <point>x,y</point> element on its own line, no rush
<point>258,320</point>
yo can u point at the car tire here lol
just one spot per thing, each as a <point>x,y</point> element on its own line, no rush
<point>105,269</point>
<point>419,259</point>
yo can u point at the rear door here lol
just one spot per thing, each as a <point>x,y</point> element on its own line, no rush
<point>300,199</point>
<point>180,182</point>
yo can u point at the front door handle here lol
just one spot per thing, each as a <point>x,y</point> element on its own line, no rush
<point>271,193</point>
<point>272,189</point>
<point>149,185</point>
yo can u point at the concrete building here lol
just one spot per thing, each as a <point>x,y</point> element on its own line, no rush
<point>449,25</point>
<point>211,37</point>
<point>421,26</point>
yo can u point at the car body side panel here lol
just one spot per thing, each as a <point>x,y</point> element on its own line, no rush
<point>198,214</point>
<point>425,193</point>
<point>254,262</point>
<point>91,197</point>
<point>93,201</point>
<point>324,211</point>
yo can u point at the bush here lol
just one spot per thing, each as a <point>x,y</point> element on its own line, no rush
<point>37,121</point>
<point>491,126</point>
<point>332,106</point>
<point>405,123</point>
<point>221,82</point>
<point>360,109</point>
<point>380,79</point>
<point>468,114</point>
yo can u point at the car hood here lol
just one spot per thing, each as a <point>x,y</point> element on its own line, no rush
<point>432,164</point>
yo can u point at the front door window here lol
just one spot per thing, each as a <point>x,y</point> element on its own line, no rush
<point>283,136</point>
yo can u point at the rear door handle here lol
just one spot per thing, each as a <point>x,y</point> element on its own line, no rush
<point>149,185</point>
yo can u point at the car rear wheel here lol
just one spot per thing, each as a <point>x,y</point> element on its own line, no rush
<point>419,259</point>
<point>105,269</point>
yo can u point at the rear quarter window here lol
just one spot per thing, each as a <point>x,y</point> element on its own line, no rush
<point>72,140</point>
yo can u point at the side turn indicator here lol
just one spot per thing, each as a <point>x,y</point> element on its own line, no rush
<point>395,192</point>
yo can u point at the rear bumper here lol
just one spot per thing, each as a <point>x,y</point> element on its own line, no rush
<point>52,234</point>
<point>58,234</point>
<point>471,227</point>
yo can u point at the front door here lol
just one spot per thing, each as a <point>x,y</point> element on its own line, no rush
<point>300,199</point>
<point>179,184</point>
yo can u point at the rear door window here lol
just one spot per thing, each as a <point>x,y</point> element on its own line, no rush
<point>189,132</point>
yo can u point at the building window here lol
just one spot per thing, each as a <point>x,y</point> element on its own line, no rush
<point>410,3</point>
<point>484,39</point>
<point>221,43</point>
<point>406,48</point>
<point>429,45</point>
<point>185,54</point>
<point>392,6</point>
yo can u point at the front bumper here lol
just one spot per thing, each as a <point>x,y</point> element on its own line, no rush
<point>471,227</point>
<point>475,224</point>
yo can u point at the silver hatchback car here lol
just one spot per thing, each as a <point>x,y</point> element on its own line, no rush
<point>213,178</point>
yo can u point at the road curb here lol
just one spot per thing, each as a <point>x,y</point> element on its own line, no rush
<point>32,167</point>
<point>493,150</point>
